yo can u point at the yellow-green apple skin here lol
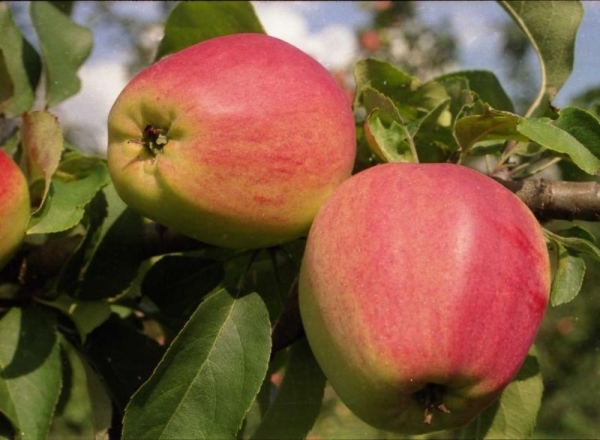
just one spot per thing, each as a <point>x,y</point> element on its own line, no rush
<point>14,207</point>
<point>248,136</point>
<point>421,290</point>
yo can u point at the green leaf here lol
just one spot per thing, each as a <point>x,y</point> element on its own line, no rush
<point>492,125</point>
<point>551,28</point>
<point>273,275</point>
<point>85,315</point>
<point>67,200</point>
<point>298,402</point>
<point>575,239</point>
<point>22,66</point>
<point>64,45</point>
<point>485,84</point>
<point>583,126</point>
<point>544,133</point>
<point>192,22</point>
<point>85,407</point>
<point>68,280</point>
<point>389,142</point>
<point>568,277</point>
<point>42,141</point>
<point>119,253</point>
<point>30,362</point>
<point>7,89</point>
<point>389,81</point>
<point>514,414</point>
<point>209,376</point>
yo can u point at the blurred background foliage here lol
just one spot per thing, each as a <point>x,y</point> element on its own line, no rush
<point>569,340</point>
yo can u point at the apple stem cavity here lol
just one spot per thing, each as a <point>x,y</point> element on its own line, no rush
<point>154,139</point>
<point>431,397</point>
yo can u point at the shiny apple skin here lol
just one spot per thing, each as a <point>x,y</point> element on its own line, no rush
<point>421,274</point>
<point>258,134</point>
<point>14,207</point>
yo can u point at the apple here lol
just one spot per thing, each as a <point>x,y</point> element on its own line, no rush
<point>235,141</point>
<point>14,207</point>
<point>421,290</point>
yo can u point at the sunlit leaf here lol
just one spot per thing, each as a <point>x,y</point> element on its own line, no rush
<point>492,125</point>
<point>556,139</point>
<point>389,81</point>
<point>212,370</point>
<point>551,28</point>
<point>67,200</point>
<point>514,414</point>
<point>389,142</point>
<point>486,85</point>
<point>31,371</point>
<point>22,67</point>
<point>568,277</point>
<point>65,46</point>
<point>583,126</point>
<point>192,22</point>
<point>42,141</point>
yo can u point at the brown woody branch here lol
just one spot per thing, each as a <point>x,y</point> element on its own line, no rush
<point>559,200</point>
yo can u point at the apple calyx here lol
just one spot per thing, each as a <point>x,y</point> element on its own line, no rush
<point>154,139</point>
<point>431,397</point>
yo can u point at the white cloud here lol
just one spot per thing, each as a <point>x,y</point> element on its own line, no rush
<point>84,116</point>
<point>334,45</point>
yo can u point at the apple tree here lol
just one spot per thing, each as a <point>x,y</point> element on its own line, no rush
<point>115,326</point>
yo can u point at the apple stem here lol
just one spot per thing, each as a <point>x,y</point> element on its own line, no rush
<point>154,139</point>
<point>432,399</point>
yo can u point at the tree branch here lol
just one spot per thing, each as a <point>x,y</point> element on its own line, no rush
<point>559,200</point>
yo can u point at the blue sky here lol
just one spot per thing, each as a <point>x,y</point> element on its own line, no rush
<point>326,30</point>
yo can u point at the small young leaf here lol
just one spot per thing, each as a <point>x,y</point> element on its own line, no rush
<point>209,376</point>
<point>298,402</point>
<point>30,364</point>
<point>551,28</point>
<point>192,22</point>
<point>388,142</point>
<point>568,278</point>
<point>42,141</point>
<point>22,63</point>
<point>556,139</point>
<point>514,414</point>
<point>65,46</point>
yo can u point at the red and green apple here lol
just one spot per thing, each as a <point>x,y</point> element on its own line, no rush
<point>14,207</point>
<point>421,291</point>
<point>235,141</point>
